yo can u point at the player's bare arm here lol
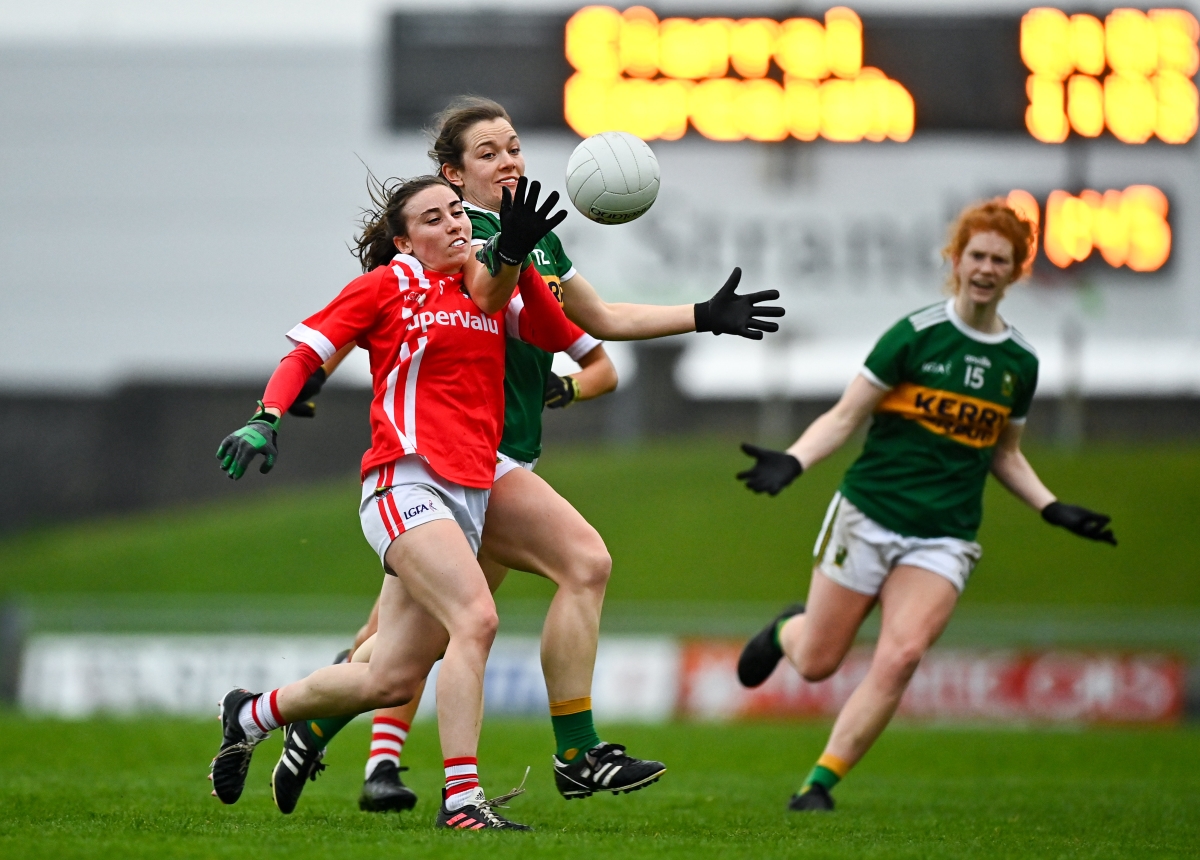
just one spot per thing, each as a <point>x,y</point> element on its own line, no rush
<point>774,470</point>
<point>337,358</point>
<point>622,321</point>
<point>596,376</point>
<point>725,313</point>
<point>831,430</point>
<point>1013,470</point>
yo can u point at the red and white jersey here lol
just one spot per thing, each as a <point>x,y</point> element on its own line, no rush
<point>437,362</point>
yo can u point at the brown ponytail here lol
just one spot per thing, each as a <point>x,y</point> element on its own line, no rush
<point>384,220</point>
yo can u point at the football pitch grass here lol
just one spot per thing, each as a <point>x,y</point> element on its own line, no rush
<point>135,789</point>
<point>678,525</point>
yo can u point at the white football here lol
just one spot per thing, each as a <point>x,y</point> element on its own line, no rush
<point>612,177</point>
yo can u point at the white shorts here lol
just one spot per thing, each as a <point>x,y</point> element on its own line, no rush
<point>407,493</point>
<point>858,553</point>
<point>505,464</point>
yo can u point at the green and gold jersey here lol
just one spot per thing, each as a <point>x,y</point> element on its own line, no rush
<point>951,391</point>
<point>525,366</point>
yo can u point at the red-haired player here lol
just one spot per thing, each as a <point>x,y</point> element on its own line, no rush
<point>434,323</point>
<point>949,387</point>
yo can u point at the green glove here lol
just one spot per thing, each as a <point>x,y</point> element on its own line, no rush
<point>257,437</point>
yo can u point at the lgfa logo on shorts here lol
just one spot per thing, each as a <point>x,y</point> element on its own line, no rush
<point>416,510</point>
<point>466,319</point>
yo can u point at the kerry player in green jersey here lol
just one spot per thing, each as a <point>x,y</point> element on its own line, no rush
<point>529,526</point>
<point>949,388</point>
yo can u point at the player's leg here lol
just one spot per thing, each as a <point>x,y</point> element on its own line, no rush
<point>916,606</point>
<point>305,741</point>
<point>849,569</point>
<point>816,641</point>
<point>338,689</point>
<point>531,527</point>
<point>455,592</point>
<point>383,788</point>
<point>439,589</point>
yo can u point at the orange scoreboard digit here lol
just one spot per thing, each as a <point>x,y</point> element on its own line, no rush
<point>844,80</point>
<point>652,78</point>
<point>1127,227</point>
<point>1130,73</point>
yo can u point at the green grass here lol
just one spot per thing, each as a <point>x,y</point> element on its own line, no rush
<point>138,789</point>
<point>678,525</point>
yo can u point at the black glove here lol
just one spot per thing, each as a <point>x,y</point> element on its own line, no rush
<point>303,407</point>
<point>729,313</point>
<point>560,392</point>
<point>257,437</point>
<point>522,226</point>
<point>773,471</point>
<point>1081,521</point>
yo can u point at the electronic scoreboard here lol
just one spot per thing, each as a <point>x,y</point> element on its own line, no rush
<point>1048,75</point>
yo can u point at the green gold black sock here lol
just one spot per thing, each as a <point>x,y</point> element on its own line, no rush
<point>325,728</point>
<point>574,731</point>
<point>828,772</point>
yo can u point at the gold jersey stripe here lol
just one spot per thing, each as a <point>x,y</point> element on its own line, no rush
<point>968,420</point>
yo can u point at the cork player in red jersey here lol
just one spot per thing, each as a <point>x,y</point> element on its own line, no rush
<point>432,318</point>
<point>530,526</point>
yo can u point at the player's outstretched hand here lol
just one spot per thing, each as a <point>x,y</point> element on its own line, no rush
<point>560,392</point>
<point>257,437</point>
<point>522,225</point>
<point>1081,521</point>
<point>773,471</point>
<point>729,313</point>
<point>304,407</point>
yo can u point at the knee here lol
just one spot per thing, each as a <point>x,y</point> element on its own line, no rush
<point>393,689</point>
<point>814,667</point>
<point>590,567</point>
<point>478,624</point>
<point>897,662</point>
<point>594,569</point>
